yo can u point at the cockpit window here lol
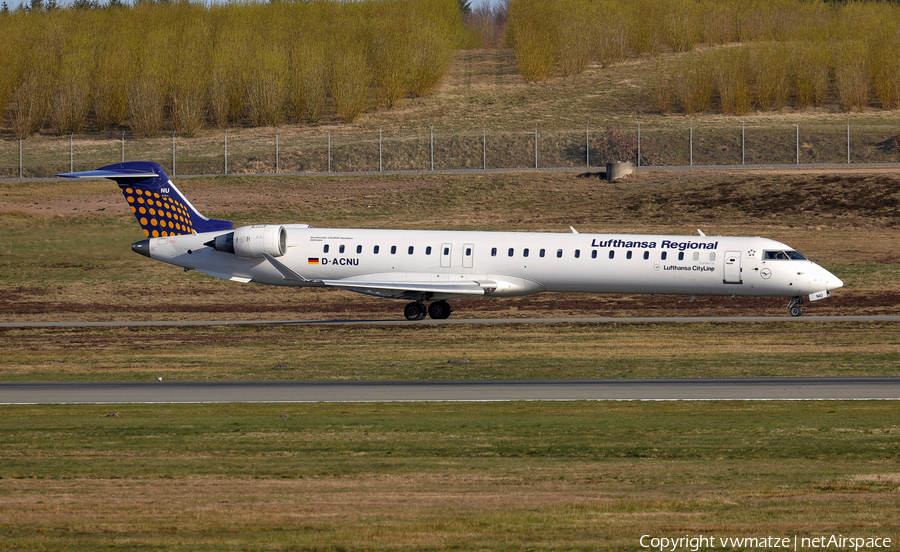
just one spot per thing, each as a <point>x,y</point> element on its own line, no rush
<point>783,256</point>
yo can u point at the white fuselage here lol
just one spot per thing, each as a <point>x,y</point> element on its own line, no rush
<point>509,263</point>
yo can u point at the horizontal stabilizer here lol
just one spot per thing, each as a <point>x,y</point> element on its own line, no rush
<point>111,174</point>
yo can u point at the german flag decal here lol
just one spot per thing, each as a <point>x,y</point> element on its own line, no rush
<point>314,261</point>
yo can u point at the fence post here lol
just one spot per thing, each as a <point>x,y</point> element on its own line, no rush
<point>226,151</point>
<point>848,141</point>
<point>71,153</point>
<point>277,164</point>
<point>123,146</point>
<point>173,153</point>
<point>692,144</point>
<point>798,144</point>
<point>639,144</point>
<point>380,166</point>
<point>587,146</point>
<point>432,147</point>
<point>329,151</point>
<point>742,142</point>
<point>20,158</point>
<point>535,147</point>
<point>483,149</point>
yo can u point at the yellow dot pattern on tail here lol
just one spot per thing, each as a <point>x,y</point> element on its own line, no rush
<point>158,215</point>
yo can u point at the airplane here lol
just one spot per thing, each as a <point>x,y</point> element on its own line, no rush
<point>438,266</point>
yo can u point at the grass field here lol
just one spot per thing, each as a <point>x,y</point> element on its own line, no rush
<point>579,351</point>
<point>516,476</point>
<point>539,476</point>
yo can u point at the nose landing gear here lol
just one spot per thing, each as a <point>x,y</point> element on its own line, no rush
<point>794,306</point>
<point>439,310</point>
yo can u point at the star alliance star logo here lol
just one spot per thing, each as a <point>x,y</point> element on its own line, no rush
<point>751,253</point>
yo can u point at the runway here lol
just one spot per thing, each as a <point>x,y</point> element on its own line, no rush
<point>456,321</point>
<point>875,388</point>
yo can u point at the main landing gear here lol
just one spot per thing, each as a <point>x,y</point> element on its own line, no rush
<point>794,306</point>
<point>438,310</point>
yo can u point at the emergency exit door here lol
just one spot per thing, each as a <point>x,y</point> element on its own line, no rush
<point>446,248</point>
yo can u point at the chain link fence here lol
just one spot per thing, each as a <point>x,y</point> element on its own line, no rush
<point>253,151</point>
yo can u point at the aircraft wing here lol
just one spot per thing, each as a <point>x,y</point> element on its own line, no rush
<point>402,289</point>
<point>387,289</point>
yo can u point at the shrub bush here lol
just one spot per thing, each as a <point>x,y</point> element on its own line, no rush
<point>185,64</point>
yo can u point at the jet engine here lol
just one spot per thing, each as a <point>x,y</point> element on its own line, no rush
<point>250,242</point>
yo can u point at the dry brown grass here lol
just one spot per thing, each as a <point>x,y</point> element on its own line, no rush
<point>587,505</point>
<point>506,476</point>
<point>529,351</point>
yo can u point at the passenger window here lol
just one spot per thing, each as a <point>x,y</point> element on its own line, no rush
<point>646,255</point>
<point>628,255</point>
<point>358,249</point>
<point>393,250</point>
<point>559,253</point>
<point>376,250</point>
<point>510,252</point>
<point>612,254</point>
<point>594,254</point>
<point>577,253</point>
<point>712,256</point>
<point>543,252</point>
<point>410,250</point>
<point>428,250</point>
<point>493,252</point>
<point>525,252</point>
<point>681,255</point>
<point>341,249</point>
<point>325,249</point>
<point>468,252</point>
<point>663,256</point>
<point>446,251</point>
<point>696,255</point>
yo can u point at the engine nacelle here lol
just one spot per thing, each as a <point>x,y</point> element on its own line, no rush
<point>250,242</point>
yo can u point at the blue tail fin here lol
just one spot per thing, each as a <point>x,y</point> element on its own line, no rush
<point>158,205</point>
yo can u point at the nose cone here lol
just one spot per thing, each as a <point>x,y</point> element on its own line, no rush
<point>830,281</point>
<point>142,247</point>
<point>833,282</point>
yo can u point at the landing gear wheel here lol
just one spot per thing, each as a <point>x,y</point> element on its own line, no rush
<point>794,306</point>
<point>414,311</point>
<point>439,310</point>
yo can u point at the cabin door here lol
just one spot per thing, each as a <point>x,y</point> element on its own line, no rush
<point>733,267</point>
